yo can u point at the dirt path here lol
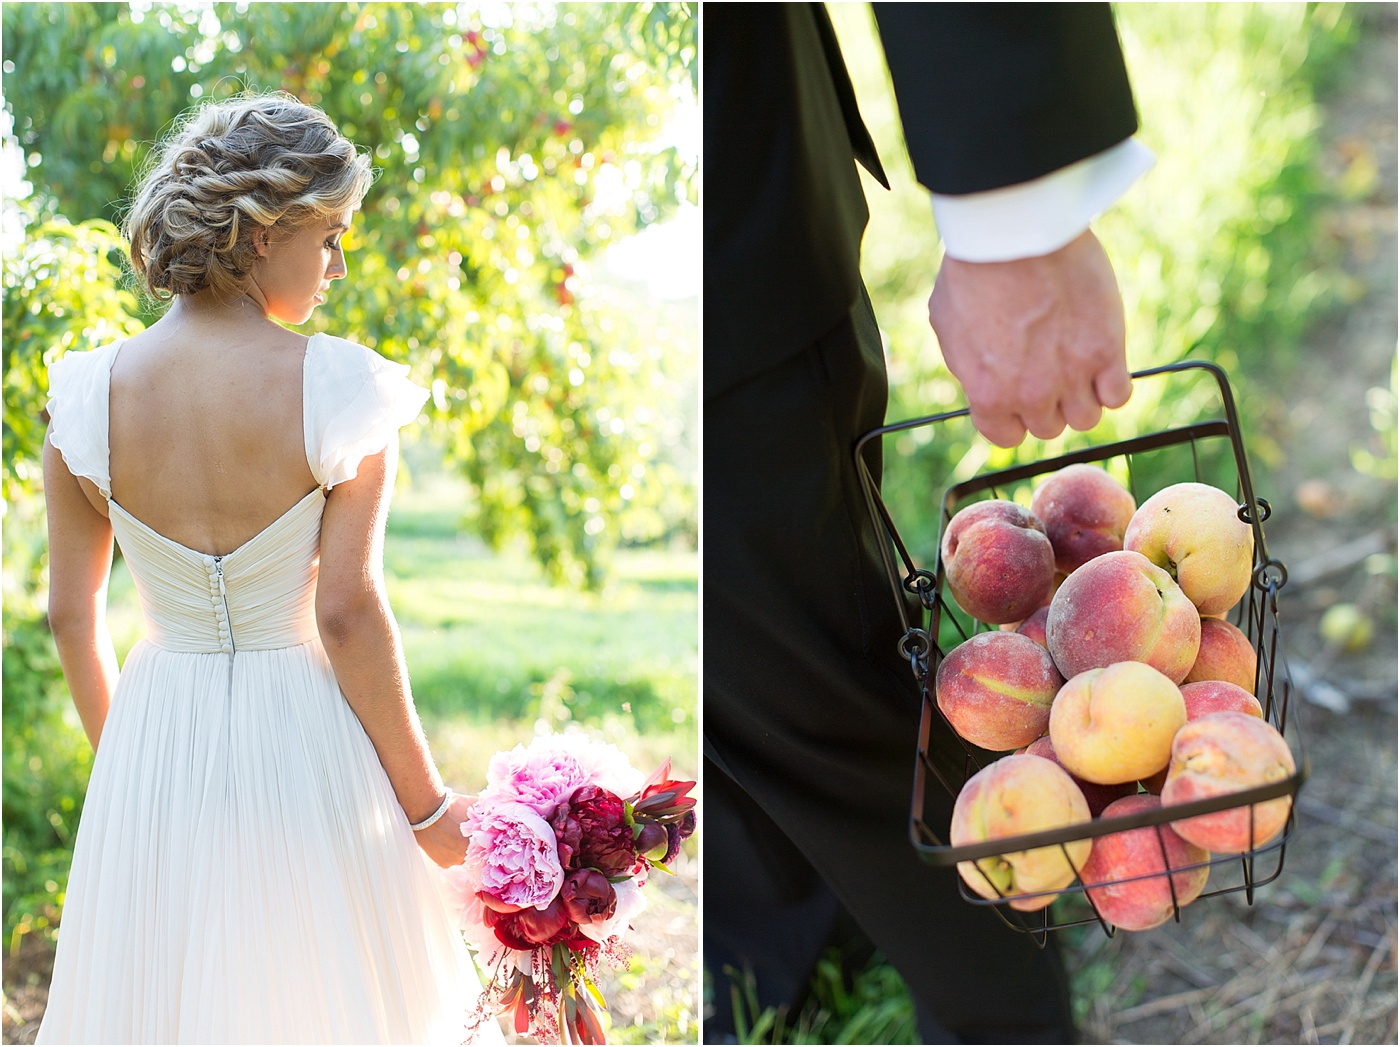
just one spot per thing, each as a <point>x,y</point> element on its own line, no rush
<point>1314,959</point>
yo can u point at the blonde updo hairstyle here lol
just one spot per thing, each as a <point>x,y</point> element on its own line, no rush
<point>231,167</point>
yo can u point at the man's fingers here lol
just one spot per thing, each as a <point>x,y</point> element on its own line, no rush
<point>1002,430</point>
<point>1113,386</point>
<point>1082,412</point>
<point>1044,424</point>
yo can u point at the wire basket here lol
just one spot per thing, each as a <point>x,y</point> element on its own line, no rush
<point>934,624</point>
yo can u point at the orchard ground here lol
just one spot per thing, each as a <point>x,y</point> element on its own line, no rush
<point>1313,960</point>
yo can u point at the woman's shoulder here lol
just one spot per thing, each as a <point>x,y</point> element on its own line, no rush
<point>355,401</point>
<point>77,409</point>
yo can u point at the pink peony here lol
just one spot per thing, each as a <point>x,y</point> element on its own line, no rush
<point>512,855</point>
<point>538,777</point>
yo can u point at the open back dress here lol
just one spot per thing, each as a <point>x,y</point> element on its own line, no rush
<point>242,871</point>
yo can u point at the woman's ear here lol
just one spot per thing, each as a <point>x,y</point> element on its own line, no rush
<point>262,237</point>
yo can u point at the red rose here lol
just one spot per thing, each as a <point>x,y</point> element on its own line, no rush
<point>606,838</point>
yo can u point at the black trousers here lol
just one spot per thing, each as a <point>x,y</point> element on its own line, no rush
<point>811,717</point>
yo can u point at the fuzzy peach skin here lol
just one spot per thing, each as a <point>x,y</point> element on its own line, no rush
<point>1222,753</point>
<point>1218,696</point>
<point>1085,512</point>
<point>1034,626</point>
<point>1019,794</point>
<point>1225,654</point>
<point>1120,607</point>
<point>997,561</point>
<point>1141,904</point>
<point>1116,724</point>
<point>995,688</point>
<point>1095,795</point>
<point>1193,531</point>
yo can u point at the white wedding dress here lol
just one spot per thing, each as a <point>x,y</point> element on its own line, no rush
<point>242,871</point>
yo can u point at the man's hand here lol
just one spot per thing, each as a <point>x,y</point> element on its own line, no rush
<point>1036,343</point>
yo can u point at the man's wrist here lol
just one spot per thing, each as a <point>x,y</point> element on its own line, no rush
<point>1037,217</point>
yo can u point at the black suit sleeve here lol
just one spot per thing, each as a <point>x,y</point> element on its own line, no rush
<point>992,94</point>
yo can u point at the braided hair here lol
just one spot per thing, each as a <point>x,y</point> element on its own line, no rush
<point>229,168</point>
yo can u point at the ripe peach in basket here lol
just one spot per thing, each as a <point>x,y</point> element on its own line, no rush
<point>996,688</point>
<point>1095,795</point>
<point>1116,724</point>
<point>1194,532</point>
<point>1120,607</point>
<point>1225,654</point>
<point>1141,904</point>
<point>1222,753</point>
<point>1218,696</point>
<point>1015,795</point>
<point>1085,512</point>
<point>997,561</point>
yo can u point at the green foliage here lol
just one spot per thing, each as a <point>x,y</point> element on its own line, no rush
<point>1216,249</point>
<point>62,293</point>
<point>513,143</point>
<point>47,762</point>
<point>873,1006</point>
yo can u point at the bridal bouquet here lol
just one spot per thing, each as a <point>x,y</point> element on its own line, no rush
<point>554,874</point>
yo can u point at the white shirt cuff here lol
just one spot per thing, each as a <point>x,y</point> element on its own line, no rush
<point>1042,215</point>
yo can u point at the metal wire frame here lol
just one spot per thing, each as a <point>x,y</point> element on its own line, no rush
<point>1257,617</point>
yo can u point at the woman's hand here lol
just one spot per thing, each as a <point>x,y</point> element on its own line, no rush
<point>443,841</point>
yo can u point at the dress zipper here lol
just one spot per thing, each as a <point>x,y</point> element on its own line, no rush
<point>228,623</point>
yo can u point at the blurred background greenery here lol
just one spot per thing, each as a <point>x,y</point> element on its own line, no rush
<point>1227,251</point>
<point>534,162</point>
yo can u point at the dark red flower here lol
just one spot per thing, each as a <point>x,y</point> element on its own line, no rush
<point>606,838</point>
<point>588,897</point>
<point>663,798</point>
<point>568,832</point>
<point>652,840</point>
<point>530,927</point>
<point>676,833</point>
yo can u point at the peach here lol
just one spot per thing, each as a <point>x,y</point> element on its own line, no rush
<point>1126,874</point>
<point>1085,512</point>
<point>1222,753</point>
<point>1120,607</point>
<point>1193,531</point>
<point>1034,626</point>
<point>1225,654</point>
<point>1218,696</point>
<point>1020,794</point>
<point>1095,795</point>
<point>1116,724</point>
<point>996,688</point>
<point>997,561</point>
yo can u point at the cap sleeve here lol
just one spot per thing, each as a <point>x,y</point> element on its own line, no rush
<point>353,402</point>
<point>77,406</point>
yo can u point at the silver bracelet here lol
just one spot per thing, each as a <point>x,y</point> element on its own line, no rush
<point>432,818</point>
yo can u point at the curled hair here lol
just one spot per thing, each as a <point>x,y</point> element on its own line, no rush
<point>229,168</point>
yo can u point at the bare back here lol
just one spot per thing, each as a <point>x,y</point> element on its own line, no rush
<point>206,433</point>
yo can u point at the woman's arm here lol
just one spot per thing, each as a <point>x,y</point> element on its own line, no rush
<point>362,641</point>
<point>80,563</point>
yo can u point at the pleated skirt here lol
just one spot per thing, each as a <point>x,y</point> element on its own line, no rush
<point>244,874</point>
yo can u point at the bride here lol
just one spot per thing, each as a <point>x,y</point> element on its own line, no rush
<point>250,862</point>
